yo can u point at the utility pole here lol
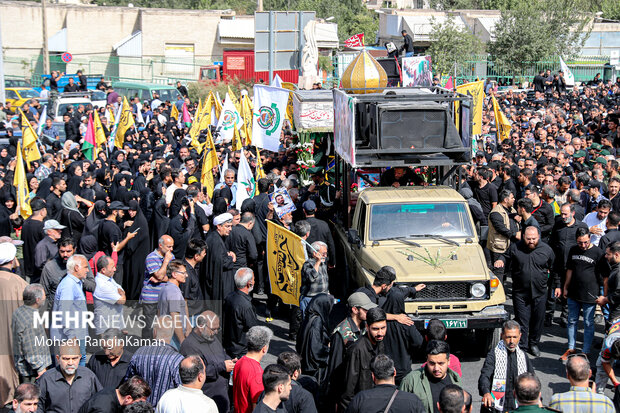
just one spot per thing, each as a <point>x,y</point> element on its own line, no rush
<point>2,95</point>
<point>259,5</point>
<point>46,53</point>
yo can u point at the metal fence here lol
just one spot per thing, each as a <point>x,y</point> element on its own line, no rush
<point>159,69</point>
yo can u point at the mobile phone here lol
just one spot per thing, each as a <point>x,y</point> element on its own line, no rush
<point>137,229</point>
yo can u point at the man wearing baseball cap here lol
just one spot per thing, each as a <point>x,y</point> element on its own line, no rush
<point>345,334</point>
<point>47,249</point>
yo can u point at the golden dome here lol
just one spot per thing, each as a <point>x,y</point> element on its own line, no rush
<point>364,72</point>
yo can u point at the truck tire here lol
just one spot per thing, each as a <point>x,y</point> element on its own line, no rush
<point>486,340</point>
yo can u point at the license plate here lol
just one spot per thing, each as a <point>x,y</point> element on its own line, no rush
<point>454,323</point>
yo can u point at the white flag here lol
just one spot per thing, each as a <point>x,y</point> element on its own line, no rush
<point>277,81</point>
<point>568,75</point>
<point>269,111</point>
<point>41,124</point>
<point>246,184</point>
<point>224,168</point>
<point>229,119</point>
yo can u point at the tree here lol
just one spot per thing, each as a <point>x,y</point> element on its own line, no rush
<point>451,44</point>
<point>536,29</point>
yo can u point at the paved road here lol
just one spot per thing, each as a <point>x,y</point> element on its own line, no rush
<point>549,368</point>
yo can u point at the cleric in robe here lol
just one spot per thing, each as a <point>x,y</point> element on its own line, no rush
<point>218,279</point>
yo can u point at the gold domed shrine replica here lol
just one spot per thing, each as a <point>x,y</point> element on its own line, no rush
<point>364,72</point>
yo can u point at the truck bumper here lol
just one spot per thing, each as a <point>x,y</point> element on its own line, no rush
<point>490,317</point>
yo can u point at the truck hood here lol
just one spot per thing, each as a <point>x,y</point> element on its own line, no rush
<point>412,264</point>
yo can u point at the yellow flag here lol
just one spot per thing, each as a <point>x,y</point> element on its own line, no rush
<point>194,131</point>
<point>29,138</point>
<point>236,144</point>
<point>21,186</point>
<point>246,115</point>
<point>205,120</point>
<point>260,171</point>
<point>174,112</point>
<point>100,138</point>
<point>289,105</point>
<point>234,99</point>
<point>209,161</point>
<point>501,122</point>
<point>285,257</point>
<point>218,106</point>
<point>476,91</point>
<point>125,123</point>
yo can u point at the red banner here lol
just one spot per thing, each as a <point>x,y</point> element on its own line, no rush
<point>356,40</point>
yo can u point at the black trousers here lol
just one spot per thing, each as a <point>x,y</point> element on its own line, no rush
<point>530,314</point>
<point>149,310</point>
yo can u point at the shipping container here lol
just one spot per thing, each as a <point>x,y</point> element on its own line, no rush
<point>240,64</point>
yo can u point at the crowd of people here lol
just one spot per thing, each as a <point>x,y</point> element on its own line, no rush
<point>136,234</point>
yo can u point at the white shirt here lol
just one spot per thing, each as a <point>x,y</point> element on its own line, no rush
<point>184,399</point>
<point>45,94</point>
<point>170,192</point>
<point>591,220</point>
<point>108,314</point>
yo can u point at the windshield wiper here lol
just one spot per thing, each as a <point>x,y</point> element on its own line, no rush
<point>438,237</point>
<point>401,239</point>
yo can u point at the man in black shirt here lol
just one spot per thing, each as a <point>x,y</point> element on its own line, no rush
<point>581,288</point>
<point>543,212</point>
<point>277,384</point>
<point>485,193</point>
<point>539,82</point>
<point>399,176</point>
<point>110,364</point>
<point>242,242</point>
<point>82,80</point>
<point>300,400</point>
<point>110,233</point>
<point>319,231</point>
<point>195,252</point>
<point>407,46</point>
<point>530,262</point>
<point>385,393</point>
<point>203,341</point>
<point>32,233</point>
<point>113,400</point>
<point>359,355</point>
<point>53,201</point>
<point>239,314</point>
<point>182,89</point>
<point>71,86</point>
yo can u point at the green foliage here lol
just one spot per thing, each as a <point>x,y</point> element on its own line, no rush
<point>326,64</point>
<point>451,44</point>
<point>535,29</point>
<point>200,90</point>
<point>610,9</point>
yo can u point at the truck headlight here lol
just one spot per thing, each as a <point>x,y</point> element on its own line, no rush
<point>478,290</point>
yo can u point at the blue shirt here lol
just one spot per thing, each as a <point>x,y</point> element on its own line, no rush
<point>70,301</point>
<point>150,290</point>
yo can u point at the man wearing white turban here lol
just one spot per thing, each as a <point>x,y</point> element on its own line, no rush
<point>218,279</point>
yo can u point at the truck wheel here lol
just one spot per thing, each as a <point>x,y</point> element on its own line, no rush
<point>486,339</point>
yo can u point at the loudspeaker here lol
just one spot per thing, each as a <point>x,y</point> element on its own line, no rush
<point>412,129</point>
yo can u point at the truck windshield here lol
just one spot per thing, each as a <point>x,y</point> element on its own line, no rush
<point>448,220</point>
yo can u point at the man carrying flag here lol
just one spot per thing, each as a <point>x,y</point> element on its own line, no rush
<point>29,137</point>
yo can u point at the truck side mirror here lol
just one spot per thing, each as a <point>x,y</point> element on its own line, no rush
<point>353,237</point>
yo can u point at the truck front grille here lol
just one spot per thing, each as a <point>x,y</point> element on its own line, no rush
<point>451,291</point>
